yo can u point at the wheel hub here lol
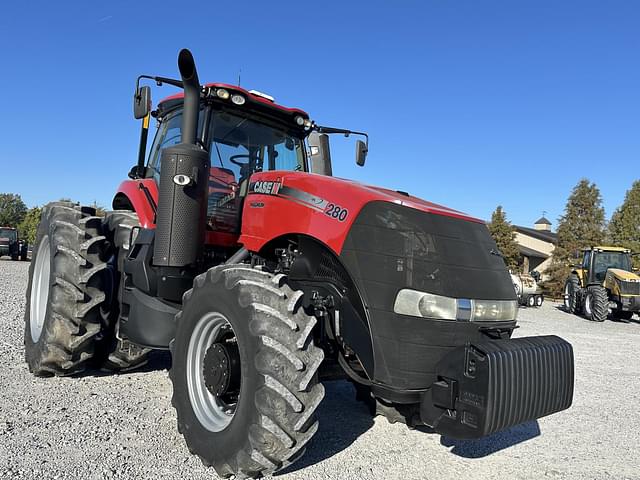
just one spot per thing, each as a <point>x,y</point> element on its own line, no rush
<point>221,368</point>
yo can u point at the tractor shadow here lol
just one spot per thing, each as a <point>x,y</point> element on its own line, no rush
<point>634,320</point>
<point>486,446</point>
<point>341,421</point>
<point>158,360</point>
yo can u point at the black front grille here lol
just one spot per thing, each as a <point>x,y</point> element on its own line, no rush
<point>330,270</point>
<point>630,288</point>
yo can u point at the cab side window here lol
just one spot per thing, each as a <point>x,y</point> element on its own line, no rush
<point>168,134</point>
<point>586,260</point>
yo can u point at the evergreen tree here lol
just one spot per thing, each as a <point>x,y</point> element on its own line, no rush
<point>12,209</point>
<point>624,228</point>
<point>29,225</point>
<point>581,226</point>
<point>504,235</point>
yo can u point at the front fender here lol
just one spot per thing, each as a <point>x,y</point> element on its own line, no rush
<point>131,195</point>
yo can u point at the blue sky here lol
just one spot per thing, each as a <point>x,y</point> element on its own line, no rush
<point>468,103</point>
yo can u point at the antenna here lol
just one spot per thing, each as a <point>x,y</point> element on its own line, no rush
<point>544,213</point>
<point>239,73</point>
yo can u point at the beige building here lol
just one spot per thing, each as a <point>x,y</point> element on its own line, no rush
<point>536,245</point>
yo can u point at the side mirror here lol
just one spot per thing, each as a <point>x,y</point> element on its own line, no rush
<point>142,102</point>
<point>320,153</point>
<point>361,152</point>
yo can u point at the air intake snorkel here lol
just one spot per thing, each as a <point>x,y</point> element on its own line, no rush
<point>183,189</point>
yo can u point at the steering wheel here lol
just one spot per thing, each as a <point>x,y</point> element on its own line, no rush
<point>233,159</point>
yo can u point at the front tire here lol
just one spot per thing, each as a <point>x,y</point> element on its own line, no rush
<point>244,374</point>
<point>65,290</point>
<point>596,304</point>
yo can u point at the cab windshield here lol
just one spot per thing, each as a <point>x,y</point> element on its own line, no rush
<point>605,260</point>
<point>238,145</point>
<point>8,233</point>
<point>245,146</point>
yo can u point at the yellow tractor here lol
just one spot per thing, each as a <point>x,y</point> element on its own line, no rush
<point>603,281</point>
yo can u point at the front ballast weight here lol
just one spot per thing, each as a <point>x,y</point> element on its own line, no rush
<point>489,386</point>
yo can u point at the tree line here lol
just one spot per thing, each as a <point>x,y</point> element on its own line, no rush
<point>14,213</point>
<point>582,225</point>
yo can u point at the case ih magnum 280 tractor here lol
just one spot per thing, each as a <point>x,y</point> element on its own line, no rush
<point>263,279</point>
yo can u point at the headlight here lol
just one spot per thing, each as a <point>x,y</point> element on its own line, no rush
<point>237,99</point>
<point>222,93</point>
<point>488,310</point>
<point>428,305</point>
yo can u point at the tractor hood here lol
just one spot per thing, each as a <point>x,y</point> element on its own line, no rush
<point>317,205</point>
<point>623,275</point>
<point>403,198</point>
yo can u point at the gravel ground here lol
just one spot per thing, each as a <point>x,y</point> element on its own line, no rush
<point>98,427</point>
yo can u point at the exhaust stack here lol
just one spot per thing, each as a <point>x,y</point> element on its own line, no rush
<point>184,179</point>
<point>191,87</point>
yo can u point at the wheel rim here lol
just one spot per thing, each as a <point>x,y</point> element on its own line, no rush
<point>212,412</point>
<point>587,305</point>
<point>567,294</point>
<point>40,289</point>
<point>531,301</point>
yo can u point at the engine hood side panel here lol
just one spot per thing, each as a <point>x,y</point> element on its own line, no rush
<point>624,275</point>
<point>284,202</point>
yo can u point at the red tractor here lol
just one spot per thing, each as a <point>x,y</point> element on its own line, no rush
<point>263,278</point>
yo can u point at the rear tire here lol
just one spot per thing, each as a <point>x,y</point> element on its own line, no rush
<point>278,393</point>
<point>571,294</point>
<point>539,300</point>
<point>119,355</point>
<point>65,290</point>
<point>531,301</point>
<point>596,303</point>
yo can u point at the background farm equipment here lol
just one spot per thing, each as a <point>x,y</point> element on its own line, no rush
<point>527,289</point>
<point>604,282</point>
<point>11,245</point>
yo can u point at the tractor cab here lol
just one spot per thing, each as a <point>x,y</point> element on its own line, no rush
<point>244,133</point>
<point>597,261</point>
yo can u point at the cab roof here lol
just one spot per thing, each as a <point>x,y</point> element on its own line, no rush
<point>602,248</point>
<point>257,100</point>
